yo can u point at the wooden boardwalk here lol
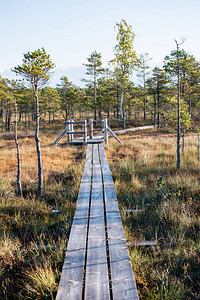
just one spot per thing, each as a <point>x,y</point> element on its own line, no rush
<point>98,138</point>
<point>97,263</point>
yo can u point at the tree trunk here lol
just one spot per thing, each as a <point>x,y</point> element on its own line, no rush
<point>20,116</point>
<point>108,113</point>
<point>198,146</point>
<point>121,107</point>
<point>6,123</point>
<point>19,186</point>
<point>37,140</point>
<point>144,91</point>
<point>190,104</point>
<point>183,143</point>
<point>2,120</point>
<point>29,122</point>
<point>178,115</point>
<point>66,113</point>
<point>154,117</point>
<point>25,120</point>
<point>95,96</point>
<point>9,119</point>
<point>158,114</point>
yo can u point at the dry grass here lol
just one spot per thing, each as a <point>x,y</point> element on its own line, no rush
<point>32,238</point>
<point>145,175</point>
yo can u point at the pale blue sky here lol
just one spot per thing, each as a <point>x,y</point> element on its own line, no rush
<point>71,30</point>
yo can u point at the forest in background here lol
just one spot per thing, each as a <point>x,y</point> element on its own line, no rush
<point>110,91</point>
<point>154,99</point>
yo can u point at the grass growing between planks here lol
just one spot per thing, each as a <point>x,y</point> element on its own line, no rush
<point>34,232</point>
<point>145,176</point>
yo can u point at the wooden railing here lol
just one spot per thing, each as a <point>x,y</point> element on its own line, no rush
<point>70,131</point>
<point>103,128</point>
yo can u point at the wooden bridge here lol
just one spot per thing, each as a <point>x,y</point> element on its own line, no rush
<point>70,132</point>
<point>97,263</point>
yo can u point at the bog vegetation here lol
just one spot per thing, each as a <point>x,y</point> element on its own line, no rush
<point>35,222</point>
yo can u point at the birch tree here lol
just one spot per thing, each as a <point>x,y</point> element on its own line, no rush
<point>36,69</point>
<point>125,57</point>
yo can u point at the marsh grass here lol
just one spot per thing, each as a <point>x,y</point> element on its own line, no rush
<point>146,178</point>
<point>33,238</point>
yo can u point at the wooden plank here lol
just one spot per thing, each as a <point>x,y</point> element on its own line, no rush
<point>75,132</point>
<point>71,282</point>
<point>142,243</point>
<point>97,282</point>
<point>133,210</point>
<point>122,277</point>
<point>73,122</point>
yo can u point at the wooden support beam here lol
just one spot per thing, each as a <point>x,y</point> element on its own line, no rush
<point>74,122</point>
<point>110,130</point>
<point>85,132</point>
<point>72,129</point>
<point>105,131</point>
<point>76,132</point>
<point>58,138</point>
<point>91,128</point>
<point>142,243</point>
<point>133,210</point>
<point>67,132</point>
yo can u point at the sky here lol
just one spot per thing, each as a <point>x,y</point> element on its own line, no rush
<point>70,30</point>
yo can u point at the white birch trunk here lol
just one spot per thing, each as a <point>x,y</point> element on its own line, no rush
<point>37,140</point>
<point>121,106</point>
<point>19,186</point>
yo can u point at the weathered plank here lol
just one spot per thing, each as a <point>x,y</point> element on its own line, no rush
<point>143,243</point>
<point>96,285</point>
<point>71,282</point>
<point>133,210</point>
<point>122,277</point>
<point>97,282</point>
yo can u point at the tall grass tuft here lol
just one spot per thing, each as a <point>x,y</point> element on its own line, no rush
<point>41,282</point>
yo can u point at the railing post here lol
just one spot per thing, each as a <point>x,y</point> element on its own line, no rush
<point>102,125</point>
<point>105,131</point>
<point>67,127</point>
<point>71,129</point>
<point>85,132</point>
<point>91,128</point>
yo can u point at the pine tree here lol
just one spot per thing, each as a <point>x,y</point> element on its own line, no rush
<point>36,69</point>
<point>94,69</point>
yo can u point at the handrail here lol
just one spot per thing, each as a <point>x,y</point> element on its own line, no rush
<point>110,130</point>
<point>69,130</point>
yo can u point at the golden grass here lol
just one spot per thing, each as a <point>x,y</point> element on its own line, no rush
<point>145,175</point>
<point>32,238</point>
<point>54,158</point>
